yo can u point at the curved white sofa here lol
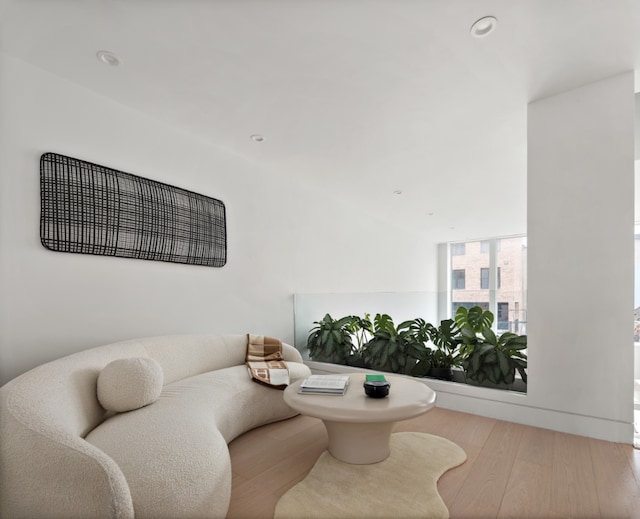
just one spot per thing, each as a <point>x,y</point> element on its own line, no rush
<point>62,455</point>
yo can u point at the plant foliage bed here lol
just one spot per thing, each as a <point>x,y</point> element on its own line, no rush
<point>421,349</point>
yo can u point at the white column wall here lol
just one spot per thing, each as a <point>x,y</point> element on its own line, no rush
<point>581,256</point>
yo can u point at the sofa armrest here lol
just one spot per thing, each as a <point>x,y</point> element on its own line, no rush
<point>290,353</point>
<point>47,472</point>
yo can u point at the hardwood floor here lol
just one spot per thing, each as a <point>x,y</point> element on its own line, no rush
<point>512,471</point>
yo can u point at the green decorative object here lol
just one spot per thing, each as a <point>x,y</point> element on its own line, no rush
<point>375,378</point>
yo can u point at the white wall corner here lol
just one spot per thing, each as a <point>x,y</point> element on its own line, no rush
<point>581,253</point>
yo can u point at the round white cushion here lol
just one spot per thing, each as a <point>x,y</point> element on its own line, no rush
<point>128,384</point>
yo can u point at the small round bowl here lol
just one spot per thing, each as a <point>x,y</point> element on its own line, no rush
<point>376,388</point>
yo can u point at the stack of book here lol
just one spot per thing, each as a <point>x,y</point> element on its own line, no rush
<point>324,385</point>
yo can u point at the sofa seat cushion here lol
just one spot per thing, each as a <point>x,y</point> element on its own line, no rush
<point>173,453</point>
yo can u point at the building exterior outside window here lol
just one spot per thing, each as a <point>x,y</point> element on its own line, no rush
<point>503,316</point>
<point>458,279</point>
<point>457,249</point>
<point>484,277</point>
<point>492,274</point>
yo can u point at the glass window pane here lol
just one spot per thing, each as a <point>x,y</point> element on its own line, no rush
<point>503,316</point>
<point>484,278</point>
<point>511,265</point>
<point>482,304</point>
<point>458,279</point>
<point>457,249</point>
<point>471,263</point>
<point>472,280</point>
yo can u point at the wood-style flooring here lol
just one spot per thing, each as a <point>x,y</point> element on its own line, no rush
<point>512,471</point>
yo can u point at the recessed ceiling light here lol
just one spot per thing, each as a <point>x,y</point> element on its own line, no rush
<point>257,137</point>
<point>108,58</point>
<point>484,26</point>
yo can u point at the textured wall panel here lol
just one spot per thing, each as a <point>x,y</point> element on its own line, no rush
<point>91,209</point>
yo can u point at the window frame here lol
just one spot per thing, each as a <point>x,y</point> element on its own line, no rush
<point>512,253</point>
<point>458,249</point>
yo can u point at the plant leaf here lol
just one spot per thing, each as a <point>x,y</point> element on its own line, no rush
<point>489,336</point>
<point>503,362</point>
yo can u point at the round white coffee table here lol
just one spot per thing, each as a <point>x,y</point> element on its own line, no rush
<point>359,427</point>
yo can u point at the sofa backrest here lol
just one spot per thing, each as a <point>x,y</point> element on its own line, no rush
<point>62,392</point>
<point>183,356</point>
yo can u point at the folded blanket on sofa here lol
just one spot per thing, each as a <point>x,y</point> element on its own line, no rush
<point>265,361</point>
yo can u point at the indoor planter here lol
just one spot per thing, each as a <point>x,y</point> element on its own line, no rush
<point>466,341</point>
<point>446,355</point>
<point>391,348</point>
<point>361,329</point>
<point>439,361</point>
<point>330,340</point>
<point>489,359</point>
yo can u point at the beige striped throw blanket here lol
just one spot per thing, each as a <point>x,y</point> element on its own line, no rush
<point>265,361</point>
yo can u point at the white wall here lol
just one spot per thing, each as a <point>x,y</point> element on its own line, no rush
<point>581,255</point>
<point>636,141</point>
<point>283,237</point>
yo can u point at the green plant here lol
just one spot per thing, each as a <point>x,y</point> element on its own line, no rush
<point>470,323</point>
<point>473,319</point>
<point>361,328</point>
<point>496,358</point>
<point>392,348</point>
<point>486,356</point>
<point>330,340</point>
<point>465,340</point>
<point>447,341</point>
<point>423,355</point>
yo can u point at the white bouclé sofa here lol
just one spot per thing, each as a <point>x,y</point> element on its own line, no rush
<point>63,455</point>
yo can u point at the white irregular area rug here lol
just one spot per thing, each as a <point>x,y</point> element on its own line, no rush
<point>404,485</point>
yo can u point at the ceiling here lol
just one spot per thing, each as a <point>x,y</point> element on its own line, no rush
<point>362,98</point>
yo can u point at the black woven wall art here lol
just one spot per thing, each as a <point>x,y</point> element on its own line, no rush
<point>92,209</point>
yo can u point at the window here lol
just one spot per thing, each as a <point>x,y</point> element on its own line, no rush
<point>457,279</point>
<point>484,306</point>
<point>503,316</point>
<point>492,274</point>
<point>485,246</point>
<point>457,249</point>
<point>484,278</point>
